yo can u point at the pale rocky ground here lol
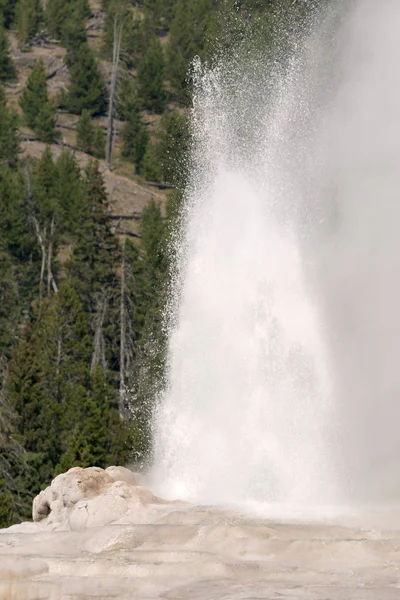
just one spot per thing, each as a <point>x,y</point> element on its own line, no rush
<point>102,535</point>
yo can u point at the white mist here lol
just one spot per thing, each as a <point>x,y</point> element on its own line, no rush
<point>284,378</point>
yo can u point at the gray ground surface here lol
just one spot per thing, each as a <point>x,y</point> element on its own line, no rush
<point>182,552</point>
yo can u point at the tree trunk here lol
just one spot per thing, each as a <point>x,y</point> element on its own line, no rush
<point>50,279</point>
<point>40,240</point>
<point>114,76</point>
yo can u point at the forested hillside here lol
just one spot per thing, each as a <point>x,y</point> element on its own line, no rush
<point>93,97</point>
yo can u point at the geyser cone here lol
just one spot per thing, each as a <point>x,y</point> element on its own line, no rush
<point>283,377</point>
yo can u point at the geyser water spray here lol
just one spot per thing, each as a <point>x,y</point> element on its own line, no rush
<point>284,357</point>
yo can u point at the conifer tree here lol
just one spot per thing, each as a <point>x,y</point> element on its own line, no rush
<point>95,256</point>
<point>9,308</point>
<point>15,502</point>
<point>9,134</point>
<point>151,164</point>
<point>86,90</point>
<point>188,38</point>
<point>151,78</point>
<point>73,35</point>
<point>29,16</point>
<point>58,12</point>
<point>43,200</point>
<point>39,113</point>
<point>135,139</point>
<point>7,10</point>
<point>30,389</point>
<point>16,234</point>
<point>7,70</point>
<point>90,138</point>
<point>85,132</point>
<point>181,49</point>
<point>69,191</point>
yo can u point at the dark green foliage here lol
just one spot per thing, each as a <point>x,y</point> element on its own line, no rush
<point>16,232</point>
<point>43,201</point>
<point>7,10</point>
<point>86,90</point>
<point>90,138</point>
<point>58,12</point>
<point>69,191</point>
<point>9,307</point>
<point>151,78</point>
<point>7,71</point>
<point>15,501</point>
<point>96,253</point>
<point>39,113</point>
<point>6,504</point>
<point>9,135</point>
<point>135,139</point>
<point>166,159</point>
<point>173,140</point>
<point>73,35</point>
<point>151,165</point>
<point>29,19</point>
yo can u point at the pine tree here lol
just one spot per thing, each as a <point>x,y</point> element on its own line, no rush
<point>135,139</point>
<point>58,12</point>
<point>73,35</point>
<point>181,49</point>
<point>90,138</point>
<point>95,256</point>
<point>29,14</point>
<point>85,132</point>
<point>188,38</point>
<point>69,191</point>
<point>43,200</point>
<point>15,503</point>
<point>16,233</point>
<point>7,70</point>
<point>38,111</point>
<point>31,391</point>
<point>9,134</point>
<point>151,78</point>
<point>151,164</point>
<point>9,307</point>
<point>7,10</point>
<point>86,90</point>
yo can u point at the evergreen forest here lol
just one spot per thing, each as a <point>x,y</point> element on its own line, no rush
<point>92,92</point>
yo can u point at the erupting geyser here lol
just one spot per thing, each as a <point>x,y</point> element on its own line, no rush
<point>284,378</point>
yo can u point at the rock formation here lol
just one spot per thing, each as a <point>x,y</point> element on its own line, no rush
<point>92,497</point>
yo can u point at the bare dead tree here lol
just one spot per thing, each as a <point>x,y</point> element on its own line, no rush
<point>50,278</point>
<point>99,355</point>
<point>118,28</point>
<point>41,240</point>
<point>41,236</point>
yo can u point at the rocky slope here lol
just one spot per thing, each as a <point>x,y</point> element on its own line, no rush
<point>127,195</point>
